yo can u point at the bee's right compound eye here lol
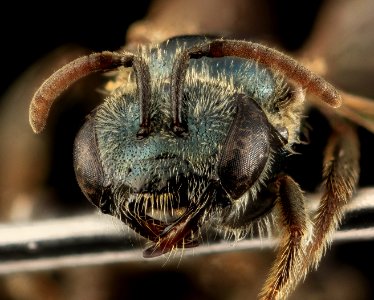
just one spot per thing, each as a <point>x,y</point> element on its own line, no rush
<point>246,149</point>
<point>87,165</point>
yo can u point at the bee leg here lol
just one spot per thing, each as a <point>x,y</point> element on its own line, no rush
<point>293,220</point>
<point>340,173</point>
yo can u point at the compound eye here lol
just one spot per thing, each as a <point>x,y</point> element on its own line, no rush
<point>87,165</point>
<point>246,149</point>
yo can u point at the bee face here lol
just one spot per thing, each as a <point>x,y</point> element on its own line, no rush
<point>195,133</point>
<point>157,177</point>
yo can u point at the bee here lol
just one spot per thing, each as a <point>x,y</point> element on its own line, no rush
<point>195,132</point>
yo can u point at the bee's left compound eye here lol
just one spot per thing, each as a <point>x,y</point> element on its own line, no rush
<point>87,166</point>
<point>246,149</point>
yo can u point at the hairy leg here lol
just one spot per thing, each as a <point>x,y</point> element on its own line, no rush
<point>341,173</point>
<point>293,220</point>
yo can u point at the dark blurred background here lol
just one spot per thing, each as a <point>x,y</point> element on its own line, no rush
<point>31,31</point>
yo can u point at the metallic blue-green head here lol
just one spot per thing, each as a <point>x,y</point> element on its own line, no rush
<point>189,132</point>
<point>227,136</point>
